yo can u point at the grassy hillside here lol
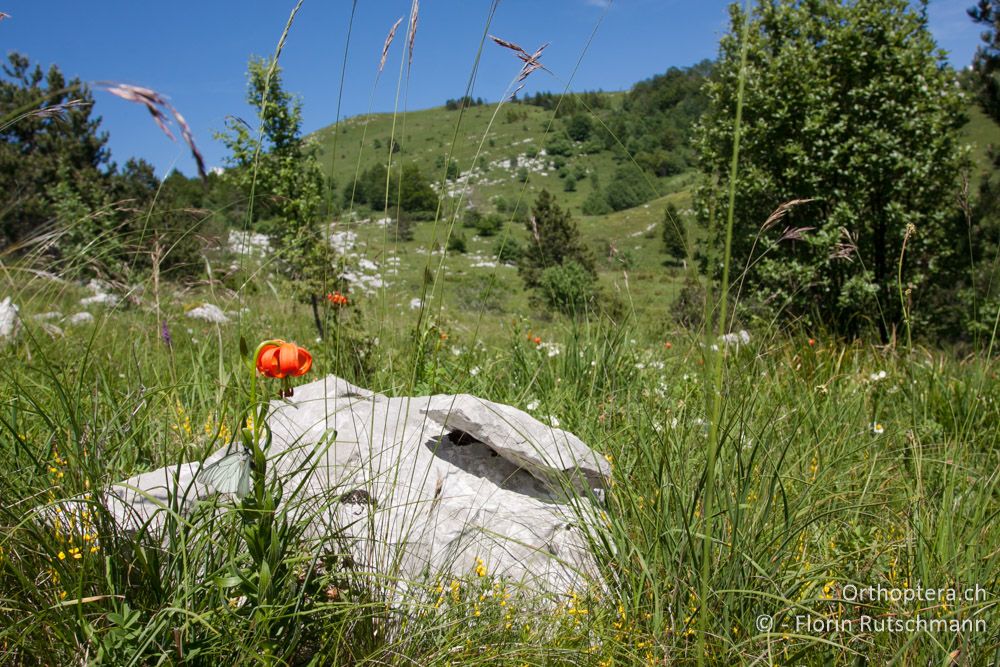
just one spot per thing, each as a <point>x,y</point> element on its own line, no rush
<point>627,244</point>
<point>516,138</point>
<point>980,133</point>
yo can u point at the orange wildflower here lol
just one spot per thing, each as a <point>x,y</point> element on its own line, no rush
<point>668,345</point>
<point>812,342</point>
<point>337,299</point>
<point>536,340</point>
<point>282,360</point>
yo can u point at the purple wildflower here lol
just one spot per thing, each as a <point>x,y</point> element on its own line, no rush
<point>165,335</point>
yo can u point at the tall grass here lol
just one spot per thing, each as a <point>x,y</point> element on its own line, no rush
<point>813,500</point>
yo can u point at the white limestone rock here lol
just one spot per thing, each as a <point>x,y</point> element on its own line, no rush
<point>419,487</point>
<point>10,320</point>
<point>101,295</point>
<point>209,313</point>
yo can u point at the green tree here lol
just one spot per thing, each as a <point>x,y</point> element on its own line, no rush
<point>274,163</point>
<point>558,145</point>
<point>553,241</point>
<point>408,189</point>
<point>657,116</point>
<point>849,104</point>
<point>986,63</point>
<point>415,192</point>
<point>976,294</point>
<point>51,152</point>
<point>279,171</point>
<point>578,127</point>
<point>187,211</point>
<point>596,203</point>
<point>674,233</point>
<point>627,189</point>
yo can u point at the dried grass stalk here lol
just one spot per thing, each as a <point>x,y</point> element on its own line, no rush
<point>413,27</point>
<point>530,60</point>
<point>794,233</point>
<point>152,100</point>
<point>57,110</point>
<point>157,105</point>
<point>388,43</point>
<point>781,212</point>
<point>188,137</point>
<point>846,248</point>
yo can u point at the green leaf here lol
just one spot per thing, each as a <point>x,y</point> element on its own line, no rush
<point>228,582</point>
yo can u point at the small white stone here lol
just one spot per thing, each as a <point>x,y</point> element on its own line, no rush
<point>10,320</point>
<point>101,299</point>
<point>208,312</point>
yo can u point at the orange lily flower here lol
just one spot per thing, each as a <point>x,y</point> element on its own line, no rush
<point>337,299</point>
<point>279,359</point>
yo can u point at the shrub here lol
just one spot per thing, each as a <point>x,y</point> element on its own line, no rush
<point>508,251</point>
<point>456,243</point>
<point>500,202</point>
<point>559,145</point>
<point>568,287</point>
<point>489,225</point>
<point>626,190</point>
<point>689,307</point>
<point>402,228</point>
<point>472,217</point>
<point>595,204</point>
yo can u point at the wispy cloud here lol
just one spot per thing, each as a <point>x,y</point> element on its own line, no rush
<point>603,4</point>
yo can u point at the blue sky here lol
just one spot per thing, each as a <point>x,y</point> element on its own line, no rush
<point>196,52</point>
